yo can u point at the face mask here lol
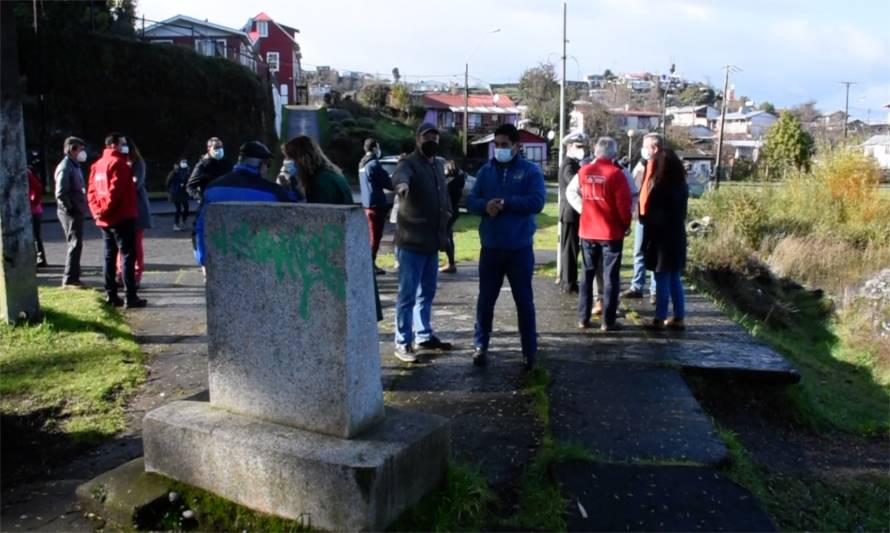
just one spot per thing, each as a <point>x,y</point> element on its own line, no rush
<point>503,155</point>
<point>576,153</point>
<point>290,167</point>
<point>378,152</point>
<point>429,148</point>
<point>644,153</point>
<point>124,149</point>
<point>183,164</point>
<point>217,153</point>
<point>82,156</point>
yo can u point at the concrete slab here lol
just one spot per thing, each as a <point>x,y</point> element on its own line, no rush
<point>627,413</point>
<point>609,497</point>
<point>125,496</point>
<point>337,484</point>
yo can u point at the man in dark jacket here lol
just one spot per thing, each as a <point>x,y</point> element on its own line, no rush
<point>508,193</point>
<point>374,181</point>
<point>112,199</point>
<point>245,183</point>
<point>569,245</point>
<point>71,206</point>
<point>211,166</point>
<point>421,223</point>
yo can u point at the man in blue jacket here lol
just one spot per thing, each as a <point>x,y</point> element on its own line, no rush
<point>508,193</point>
<point>374,181</point>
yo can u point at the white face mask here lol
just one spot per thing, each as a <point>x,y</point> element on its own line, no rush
<point>503,155</point>
<point>217,153</point>
<point>576,153</point>
<point>645,154</point>
<point>378,152</point>
<point>124,149</point>
<point>183,164</point>
<point>81,156</point>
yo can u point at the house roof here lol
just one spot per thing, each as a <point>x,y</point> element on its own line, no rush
<point>634,112</point>
<point>744,143</point>
<point>525,136</point>
<point>877,140</point>
<point>694,155</point>
<point>193,22</point>
<point>478,103</point>
<point>741,115</point>
<point>264,17</point>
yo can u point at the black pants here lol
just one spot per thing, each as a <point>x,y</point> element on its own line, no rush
<point>72,225</point>
<point>449,243</point>
<point>36,221</point>
<point>569,247</point>
<point>182,211</point>
<point>594,253</point>
<point>120,237</point>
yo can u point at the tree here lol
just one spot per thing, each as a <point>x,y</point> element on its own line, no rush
<point>396,75</point>
<point>400,97</point>
<point>788,145</point>
<point>597,121</point>
<point>805,112</point>
<point>539,90</point>
<point>768,107</point>
<point>696,95</point>
<point>608,75</point>
<point>117,17</point>
<point>374,95</point>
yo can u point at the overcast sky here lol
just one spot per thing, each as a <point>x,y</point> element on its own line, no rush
<point>789,50</point>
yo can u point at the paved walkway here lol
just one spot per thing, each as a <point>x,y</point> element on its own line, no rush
<point>620,395</point>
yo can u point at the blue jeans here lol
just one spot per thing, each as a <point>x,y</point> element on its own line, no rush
<point>594,254</point>
<point>418,274</point>
<point>638,282</point>
<point>518,266</point>
<point>669,285</point>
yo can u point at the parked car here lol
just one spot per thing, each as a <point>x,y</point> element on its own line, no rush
<point>390,162</point>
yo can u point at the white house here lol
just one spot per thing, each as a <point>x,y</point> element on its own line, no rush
<point>745,149</point>
<point>878,147</point>
<point>204,37</point>
<point>692,115</point>
<point>748,122</point>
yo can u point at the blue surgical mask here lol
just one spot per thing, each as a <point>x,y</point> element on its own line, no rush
<point>217,153</point>
<point>644,153</point>
<point>503,155</point>
<point>290,167</point>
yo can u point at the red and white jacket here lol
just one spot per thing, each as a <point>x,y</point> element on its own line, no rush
<point>111,193</point>
<point>601,194</point>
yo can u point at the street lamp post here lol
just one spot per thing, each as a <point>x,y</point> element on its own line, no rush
<point>630,145</point>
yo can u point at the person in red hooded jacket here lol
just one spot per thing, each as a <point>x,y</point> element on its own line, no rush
<point>112,199</point>
<point>35,195</point>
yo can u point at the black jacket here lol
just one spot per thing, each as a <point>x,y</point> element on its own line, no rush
<point>425,209</point>
<point>664,229</point>
<point>567,171</point>
<point>207,170</point>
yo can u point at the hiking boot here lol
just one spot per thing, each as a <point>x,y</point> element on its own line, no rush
<point>632,293</point>
<point>598,307</point>
<point>434,343</point>
<point>405,353</point>
<point>480,356</point>
<point>655,325</point>
<point>114,300</point>
<point>676,324</point>
<point>136,302</point>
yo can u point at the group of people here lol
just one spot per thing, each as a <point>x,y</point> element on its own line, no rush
<point>600,200</point>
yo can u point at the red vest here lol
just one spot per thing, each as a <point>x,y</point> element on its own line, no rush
<point>605,193</point>
<point>112,190</point>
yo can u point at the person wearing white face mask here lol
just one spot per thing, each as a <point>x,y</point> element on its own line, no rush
<point>176,191</point>
<point>653,143</point>
<point>71,206</point>
<point>569,244</point>
<point>374,181</point>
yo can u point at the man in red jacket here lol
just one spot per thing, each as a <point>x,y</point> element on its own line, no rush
<point>112,198</point>
<point>601,194</point>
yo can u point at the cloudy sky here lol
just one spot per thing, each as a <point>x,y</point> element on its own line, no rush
<point>789,50</point>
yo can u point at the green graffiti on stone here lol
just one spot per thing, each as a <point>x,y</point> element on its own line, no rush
<point>299,256</point>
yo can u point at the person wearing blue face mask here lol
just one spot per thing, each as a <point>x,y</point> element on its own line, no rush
<point>212,165</point>
<point>508,193</point>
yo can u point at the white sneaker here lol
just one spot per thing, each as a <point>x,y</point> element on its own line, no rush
<point>177,227</point>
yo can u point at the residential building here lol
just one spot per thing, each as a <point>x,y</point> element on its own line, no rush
<point>639,120</point>
<point>878,147</point>
<point>746,122</point>
<point>640,82</point>
<point>279,49</point>
<point>486,111</point>
<point>534,147</point>
<point>693,115</point>
<point>700,164</point>
<point>206,38</point>
<point>749,149</point>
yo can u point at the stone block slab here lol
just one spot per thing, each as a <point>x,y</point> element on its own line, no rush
<point>331,483</point>
<point>126,495</point>
<point>291,321</point>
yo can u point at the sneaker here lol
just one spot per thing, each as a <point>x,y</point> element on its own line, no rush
<point>676,324</point>
<point>480,356</point>
<point>598,307</point>
<point>114,300</point>
<point>434,343</point>
<point>405,353</point>
<point>611,327</point>
<point>74,284</point>
<point>42,263</point>
<point>448,269</point>
<point>177,227</point>
<point>655,325</point>
<point>136,303</point>
<point>632,293</point>
<point>583,324</point>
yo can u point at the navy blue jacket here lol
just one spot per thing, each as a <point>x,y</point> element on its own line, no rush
<point>242,184</point>
<point>373,180</point>
<point>521,184</point>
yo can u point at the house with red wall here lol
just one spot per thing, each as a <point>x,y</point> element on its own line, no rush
<point>277,46</point>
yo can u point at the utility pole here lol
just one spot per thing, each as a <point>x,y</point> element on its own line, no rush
<point>466,106</point>
<point>718,166</point>
<point>847,105</point>
<point>562,134</point>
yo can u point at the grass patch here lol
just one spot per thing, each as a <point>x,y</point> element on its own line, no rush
<point>797,503</point>
<point>460,505</point>
<point>80,363</point>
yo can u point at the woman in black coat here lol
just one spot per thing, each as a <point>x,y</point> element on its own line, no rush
<point>664,237</point>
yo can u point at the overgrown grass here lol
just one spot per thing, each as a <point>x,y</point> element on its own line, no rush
<point>79,363</point>
<point>805,503</point>
<point>462,504</point>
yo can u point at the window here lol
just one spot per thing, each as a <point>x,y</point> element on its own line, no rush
<point>534,154</point>
<point>162,41</point>
<point>262,27</point>
<point>272,61</point>
<point>205,47</point>
<point>221,48</point>
<point>475,121</point>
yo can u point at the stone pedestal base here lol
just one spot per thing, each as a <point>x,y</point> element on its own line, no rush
<point>331,483</point>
